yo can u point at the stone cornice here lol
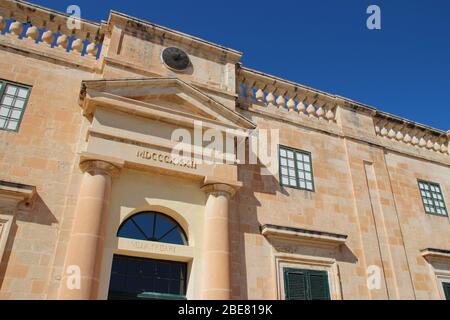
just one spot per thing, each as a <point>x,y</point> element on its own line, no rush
<point>431,254</point>
<point>102,86</point>
<point>304,236</point>
<point>17,193</point>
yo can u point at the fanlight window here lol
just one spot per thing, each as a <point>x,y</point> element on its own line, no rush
<point>152,226</point>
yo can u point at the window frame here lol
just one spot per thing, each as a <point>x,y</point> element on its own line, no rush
<point>280,146</point>
<point>429,183</point>
<point>2,92</point>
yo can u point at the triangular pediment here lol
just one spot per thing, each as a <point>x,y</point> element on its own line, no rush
<point>165,97</point>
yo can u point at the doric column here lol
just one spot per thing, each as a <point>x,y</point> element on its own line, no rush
<point>86,240</point>
<point>216,244</point>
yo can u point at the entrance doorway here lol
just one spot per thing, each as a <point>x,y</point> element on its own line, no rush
<point>138,278</point>
<point>134,278</point>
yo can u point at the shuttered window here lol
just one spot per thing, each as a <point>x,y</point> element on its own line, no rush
<point>446,290</point>
<point>306,284</point>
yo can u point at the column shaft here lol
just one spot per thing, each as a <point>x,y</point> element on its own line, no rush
<point>87,238</point>
<point>216,267</point>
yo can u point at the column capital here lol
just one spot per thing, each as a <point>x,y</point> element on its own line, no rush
<point>219,189</point>
<point>99,167</point>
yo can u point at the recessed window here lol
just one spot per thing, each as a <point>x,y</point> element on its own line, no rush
<point>306,284</point>
<point>432,198</point>
<point>296,169</point>
<point>13,100</point>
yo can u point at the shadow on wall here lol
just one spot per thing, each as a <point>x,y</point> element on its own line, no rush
<point>342,253</point>
<point>39,213</point>
<point>244,220</point>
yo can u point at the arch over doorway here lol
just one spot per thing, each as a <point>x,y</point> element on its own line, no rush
<point>153,226</point>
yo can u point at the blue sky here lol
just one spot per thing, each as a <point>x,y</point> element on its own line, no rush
<point>404,68</point>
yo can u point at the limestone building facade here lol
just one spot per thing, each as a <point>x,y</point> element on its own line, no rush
<point>93,204</point>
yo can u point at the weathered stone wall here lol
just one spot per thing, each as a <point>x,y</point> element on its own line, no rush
<point>43,153</point>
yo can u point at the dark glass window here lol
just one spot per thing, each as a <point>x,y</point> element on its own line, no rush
<point>139,278</point>
<point>152,226</point>
<point>13,99</point>
<point>306,284</point>
<point>432,198</point>
<point>296,169</point>
<point>446,290</point>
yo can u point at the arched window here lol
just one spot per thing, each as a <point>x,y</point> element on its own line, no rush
<point>152,226</point>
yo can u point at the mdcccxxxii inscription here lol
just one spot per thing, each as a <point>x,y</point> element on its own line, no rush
<point>169,159</point>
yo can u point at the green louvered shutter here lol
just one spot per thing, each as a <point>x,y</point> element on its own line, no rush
<point>318,285</point>
<point>447,290</point>
<point>295,284</point>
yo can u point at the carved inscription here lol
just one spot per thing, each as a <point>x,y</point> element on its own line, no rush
<point>169,159</point>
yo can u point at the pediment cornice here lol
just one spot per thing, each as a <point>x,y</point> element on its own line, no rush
<point>142,97</point>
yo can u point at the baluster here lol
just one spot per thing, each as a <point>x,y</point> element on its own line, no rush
<point>48,37</point>
<point>399,136</point>
<point>330,115</point>
<point>301,107</point>
<point>415,141</point>
<point>270,98</point>
<point>62,41</point>
<point>259,95</point>
<point>291,104</point>
<point>32,33</point>
<point>281,102</point>
<point>92,49</point>
<point>391,133</point>
<point>16,28</point>
<point>384,132</point>
<point>430,144</point>
<point>437,147</point>
<point>77,45</point>
<point>422,142</point>
<point>311,109</point>
<point>320,112</point>
<point>407,138</point>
